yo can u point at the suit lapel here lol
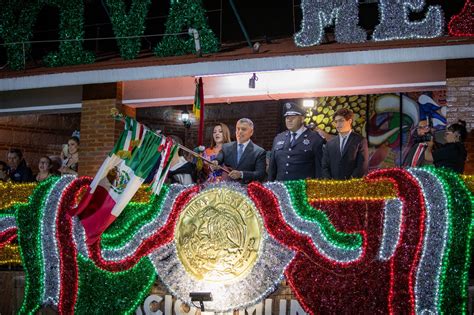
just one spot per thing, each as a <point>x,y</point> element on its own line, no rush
<point>348,143</point>
<point>233,151</point>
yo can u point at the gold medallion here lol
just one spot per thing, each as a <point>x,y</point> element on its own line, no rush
<point>218,235</point>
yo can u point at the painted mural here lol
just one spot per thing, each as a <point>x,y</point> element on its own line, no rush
<point>388,120</point>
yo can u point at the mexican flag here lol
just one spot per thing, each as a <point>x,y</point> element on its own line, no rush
<point>116,187</point>
<point>130,138</point>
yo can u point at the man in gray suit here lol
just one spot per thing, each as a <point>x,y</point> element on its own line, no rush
<point>245,158</point>
<point>347,155</point>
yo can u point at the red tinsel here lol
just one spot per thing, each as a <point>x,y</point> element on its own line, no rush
<point>67,249</point>
<point>462,24</point>
<point>8,236</point>
<point>161,237</point>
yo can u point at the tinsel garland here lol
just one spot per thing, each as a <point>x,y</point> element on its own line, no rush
<point>297,192</point>
<point>128,24</point>
<point>158,238</point>
<point>71,33</point>
<point>317,15</point>
<point>28,220</point>
<point>12,193</point>
<point>434,245</point>
<point>404,263</point>
<point>69,273</point>
<point>185,14</point>
<point>456,262</point>
<point>17,19</point>
<point>414,249</point>
<point>10,255</point>
<point>327,287</point>
<point>104,292</point>
<point>349,189</point>
<point>395,21</point>
<point>328,247</point>
<point>462,24</point>
<point>126,225</point>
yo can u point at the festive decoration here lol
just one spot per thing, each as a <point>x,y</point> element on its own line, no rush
<point>395,21</point>
<point>462,24</point>
<point>319,14</point>
<point>183,15</point>
<point>16,26</point>
<point>13,193</point>
<point>71,33</point>
<point>349,189</point>
<point>398,240</point>
<point>131,24</point>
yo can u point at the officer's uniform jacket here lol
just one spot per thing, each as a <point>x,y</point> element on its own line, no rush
<point>300,161</point>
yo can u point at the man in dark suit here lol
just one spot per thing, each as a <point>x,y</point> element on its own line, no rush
<point>416,155</point>
<point>346,155</point>
<point>298,151</point>
<point>245,158</point>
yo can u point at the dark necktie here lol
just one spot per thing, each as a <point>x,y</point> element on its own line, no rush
<point>240,151</point>
<point>343,143</point>
<point>293,139</point>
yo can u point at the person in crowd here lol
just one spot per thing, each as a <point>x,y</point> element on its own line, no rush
<point>44,166</point>
<point>416,155</point>
<point>19,171</point>
<point>181,171</point>
<point>220,135</point>
<point>453,153</point>
<point>245,159</point>
<point>3,171</point>
<point>297,152</point>
<point>70,157</point>
<point>345,156</point>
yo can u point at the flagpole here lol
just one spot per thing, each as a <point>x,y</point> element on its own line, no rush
<point>201,112</point>
<point>119,116</point>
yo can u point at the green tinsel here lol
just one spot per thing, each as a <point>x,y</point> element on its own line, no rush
<point>131,24</point>
<point>28,218</point>
<point>71,26</point>
<point>104,292</point>
<point>456,260</point>
<point>16,25</point>
<point>183,15</point>
<point>297,192</point>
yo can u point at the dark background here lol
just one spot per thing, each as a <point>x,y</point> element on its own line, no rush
<point>263,19</point>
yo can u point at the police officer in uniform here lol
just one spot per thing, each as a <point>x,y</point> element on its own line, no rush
<point>296,153</point>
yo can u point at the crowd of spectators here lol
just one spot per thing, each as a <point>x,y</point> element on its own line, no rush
<point>16,169</point>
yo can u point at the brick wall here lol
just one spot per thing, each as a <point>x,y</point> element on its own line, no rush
<point>98,134</point>
<point>460,98</point>
<point>265,115</point>
<point>36,135</point>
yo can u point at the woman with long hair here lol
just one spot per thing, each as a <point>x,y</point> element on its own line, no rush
<point>220,135</point>
<point>70,157</point>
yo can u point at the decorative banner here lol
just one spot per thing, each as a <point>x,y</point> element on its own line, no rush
<point>128,24</point>
<point>396,241</point>
<point>463,23</point>
<point>395,20</point>
<point>317,15</point>
<point>185,14</point>
<point>71,33</point>
<point>16,25</point>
